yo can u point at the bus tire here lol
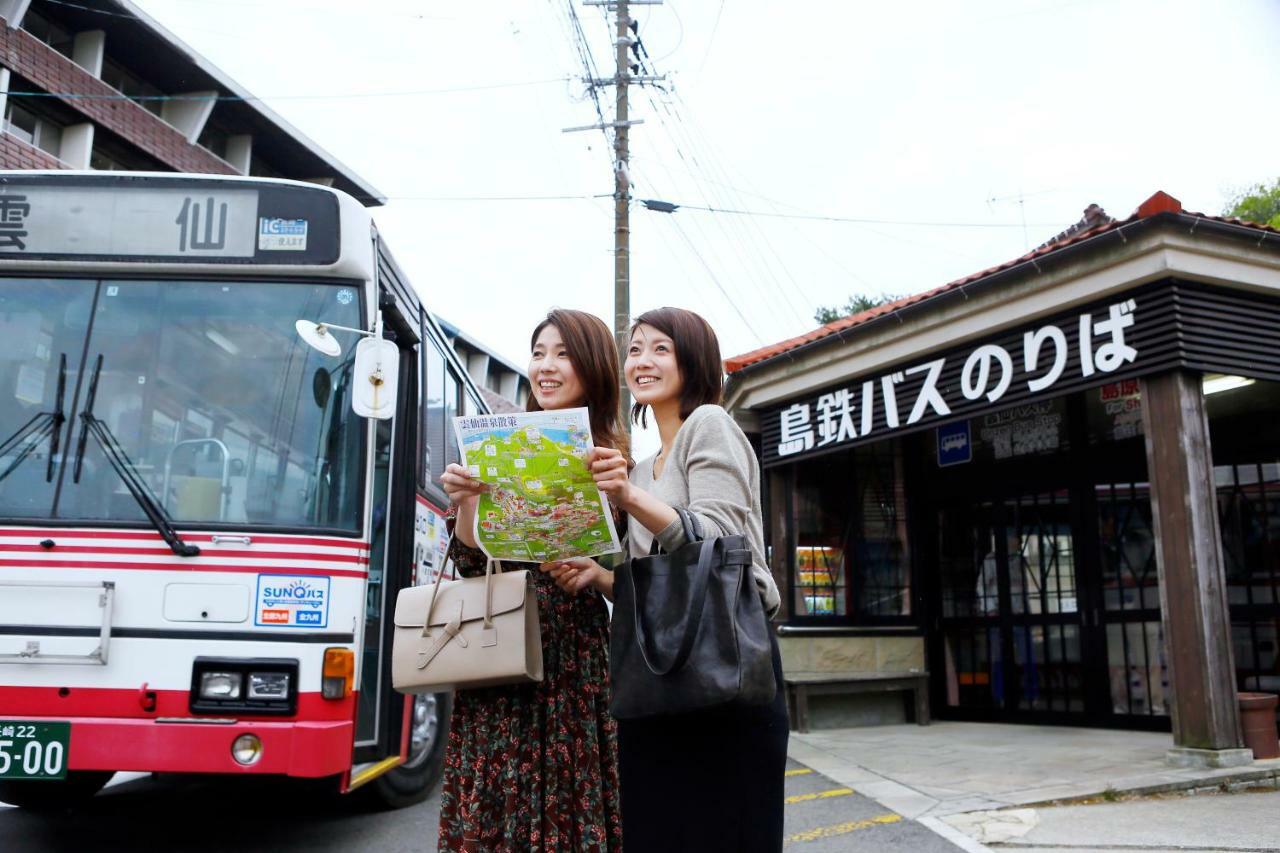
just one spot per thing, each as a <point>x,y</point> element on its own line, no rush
<point>54,794</point>
<point>413,781</point>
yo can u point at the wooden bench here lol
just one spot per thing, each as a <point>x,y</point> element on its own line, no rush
<point>802,685</point>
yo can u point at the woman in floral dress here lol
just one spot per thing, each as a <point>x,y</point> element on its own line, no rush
<point>535,766</point>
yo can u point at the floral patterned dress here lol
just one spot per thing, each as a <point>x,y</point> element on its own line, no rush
<point>535,766</point>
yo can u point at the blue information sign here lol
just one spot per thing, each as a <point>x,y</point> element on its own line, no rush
<point>955,445</point>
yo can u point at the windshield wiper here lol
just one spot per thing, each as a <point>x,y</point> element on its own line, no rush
<point>34,431</point>
<point>123,466</point>
<point>59,418</point>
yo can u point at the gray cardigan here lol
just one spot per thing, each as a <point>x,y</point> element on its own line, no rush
<point>712,472</point>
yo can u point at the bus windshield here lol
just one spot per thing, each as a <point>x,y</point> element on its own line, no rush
<point>221,411</point>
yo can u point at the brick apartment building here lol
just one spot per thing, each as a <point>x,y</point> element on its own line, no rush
<point>97,84</point>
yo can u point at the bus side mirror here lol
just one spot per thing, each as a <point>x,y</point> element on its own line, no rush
<point>377,374</point>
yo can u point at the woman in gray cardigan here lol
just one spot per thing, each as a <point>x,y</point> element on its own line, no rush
<point>711,780</point>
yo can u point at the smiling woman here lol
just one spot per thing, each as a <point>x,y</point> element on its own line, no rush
<point>561,725</point>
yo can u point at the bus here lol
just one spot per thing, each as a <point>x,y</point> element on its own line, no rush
<point>223,414</point>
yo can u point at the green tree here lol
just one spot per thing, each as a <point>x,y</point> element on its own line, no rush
<point>856,304</point>
<point>1260,203</point>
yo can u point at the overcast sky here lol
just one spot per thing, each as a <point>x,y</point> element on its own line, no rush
<point>982,116</point>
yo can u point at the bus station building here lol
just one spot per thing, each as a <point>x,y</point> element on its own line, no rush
<point>1052,488</point>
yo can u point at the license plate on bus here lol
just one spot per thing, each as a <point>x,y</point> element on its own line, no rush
<point>34,750</point>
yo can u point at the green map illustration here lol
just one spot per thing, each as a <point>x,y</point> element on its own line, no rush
<point>542,503</point>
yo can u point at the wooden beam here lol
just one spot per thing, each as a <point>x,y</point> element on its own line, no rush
<point>1193,598</point>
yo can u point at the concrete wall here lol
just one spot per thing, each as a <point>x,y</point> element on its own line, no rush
<point>854,654</point>
<point>851,654</point>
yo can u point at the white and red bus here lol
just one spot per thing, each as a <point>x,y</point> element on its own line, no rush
<point>210,489</point>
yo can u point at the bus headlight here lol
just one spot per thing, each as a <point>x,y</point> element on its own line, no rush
<point>220,685</point>
<point>246,749</point>
<point>268,685</point>
<point>260,686</point>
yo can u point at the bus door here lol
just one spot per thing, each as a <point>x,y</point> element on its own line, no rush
<point>380,714</point>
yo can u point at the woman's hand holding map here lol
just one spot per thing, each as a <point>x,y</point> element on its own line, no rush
<point>609,469</point>
<point>579,573</point>
<point>464,492</point>
<point>459,485</point>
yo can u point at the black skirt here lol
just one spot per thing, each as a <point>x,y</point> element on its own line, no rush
<point>709,781</point>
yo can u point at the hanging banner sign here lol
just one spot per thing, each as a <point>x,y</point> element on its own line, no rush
<point>1069,352</point>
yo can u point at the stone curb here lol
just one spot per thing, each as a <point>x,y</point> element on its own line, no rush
<point>1243,779</point>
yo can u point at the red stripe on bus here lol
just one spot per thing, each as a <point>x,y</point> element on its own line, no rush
<point>76,533</point>
<point>179,567</point>
<point>429,505</point>
<point>124,702</point>
<point>158,552</point>
<point>309,750</point>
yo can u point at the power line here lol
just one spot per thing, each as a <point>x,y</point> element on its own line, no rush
<point>124,15</point>
<point>756,273</point>
<point>855,220</point>
<point>711,274</point>
<point>382,13</point>
<point>700,137</point>
<point>86,96</point>
<point>736,234</point>
<point>131,17</point>
<point>582,197</point>
<point>712,39</point>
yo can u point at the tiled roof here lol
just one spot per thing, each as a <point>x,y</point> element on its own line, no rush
<point>1159,203</point>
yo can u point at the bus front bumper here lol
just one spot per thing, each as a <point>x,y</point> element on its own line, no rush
<point>193,745</point>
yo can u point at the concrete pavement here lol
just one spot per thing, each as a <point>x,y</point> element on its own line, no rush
<point>947,768</point>
<point>988,786</point>
<point>1247,820</point>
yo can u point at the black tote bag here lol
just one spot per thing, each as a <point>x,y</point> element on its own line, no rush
<point>689,632</point>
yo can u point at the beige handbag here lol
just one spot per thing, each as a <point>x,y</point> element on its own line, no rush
<point>469,632</point>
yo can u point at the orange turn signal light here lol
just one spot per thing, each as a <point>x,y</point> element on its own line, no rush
<point>339,673</point>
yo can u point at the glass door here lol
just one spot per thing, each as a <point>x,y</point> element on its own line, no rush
<point>1044,623</point>
<point>1011,622</point>
<point>1137,669</point>
<point>370,700</point>
<point>969,582</point>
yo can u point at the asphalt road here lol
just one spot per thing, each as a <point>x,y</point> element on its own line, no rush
<point>211,816</point>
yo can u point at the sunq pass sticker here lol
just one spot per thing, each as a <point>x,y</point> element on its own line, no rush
<point>292,601</point>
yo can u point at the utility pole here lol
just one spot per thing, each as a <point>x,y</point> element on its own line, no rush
<point>622,210</point>
<point>623,42</point>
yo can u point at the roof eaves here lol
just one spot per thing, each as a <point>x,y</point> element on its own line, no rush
<point>1157,206</point>
<point>1159,203</point>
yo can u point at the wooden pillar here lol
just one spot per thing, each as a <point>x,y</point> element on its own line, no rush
<point>1193,598</point>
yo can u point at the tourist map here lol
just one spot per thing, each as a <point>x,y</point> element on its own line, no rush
<point>542,503</point>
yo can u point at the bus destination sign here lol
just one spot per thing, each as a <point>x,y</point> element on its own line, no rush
<point>185,221</point>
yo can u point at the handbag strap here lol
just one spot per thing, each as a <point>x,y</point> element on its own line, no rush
<point>435,588</point>
<point>489,563</point>
<point>697,598</point>
<point>692,529</point>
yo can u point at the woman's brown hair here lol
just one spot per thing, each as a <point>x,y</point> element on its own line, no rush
<point>697,356</point>
<point>591,350</point>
